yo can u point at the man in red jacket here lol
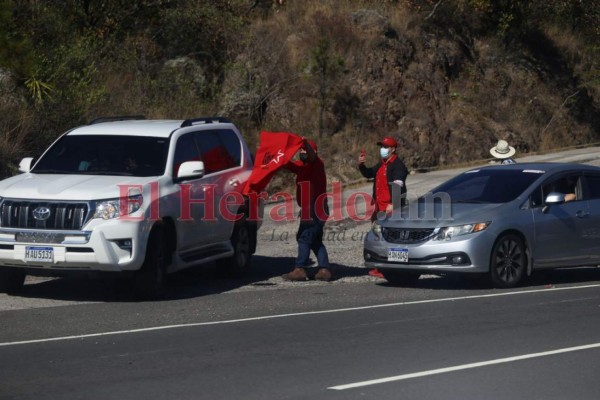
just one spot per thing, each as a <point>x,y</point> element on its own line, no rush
<point>311,185</point>
<point>387,172</point>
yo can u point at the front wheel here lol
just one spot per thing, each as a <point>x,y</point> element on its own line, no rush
<point>508,263</point>
<point>149,280</point>
<point>239,263</point>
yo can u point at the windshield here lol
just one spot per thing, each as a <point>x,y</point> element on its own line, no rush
<point>105,155</point>
<point>488,185</point>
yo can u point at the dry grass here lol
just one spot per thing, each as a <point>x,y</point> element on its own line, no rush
<point>15,128</point>
<point>446,94</point>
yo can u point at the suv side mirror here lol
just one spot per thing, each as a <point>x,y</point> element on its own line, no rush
<point>25,164</point>
<point>190,170</point>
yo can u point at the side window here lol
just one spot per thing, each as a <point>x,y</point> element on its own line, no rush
<point>232,145</point>
<point>213,151</point>
<point>593,187</point>
<point>185,150</point>
<point>569,185</point>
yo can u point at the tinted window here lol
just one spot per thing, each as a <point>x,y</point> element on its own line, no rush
<point>105,155</point>
<point>217,153</point>
<point>185,150</point>
<point>488,186</point>
<point>232,145</point>
<point>593,186</point>
<point>470,189</point>
<point>565,184</point>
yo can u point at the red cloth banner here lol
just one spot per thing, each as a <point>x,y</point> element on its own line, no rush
<point>275,150</point>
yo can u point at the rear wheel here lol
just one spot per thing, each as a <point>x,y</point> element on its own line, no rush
<point>239,263</point>
<point>508,263</point>
<point>149,280</point>
<point>399,278</point>
<point>11,281</point>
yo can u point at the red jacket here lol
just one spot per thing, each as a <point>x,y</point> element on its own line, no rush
<point>311,182</point>
<point>396,170</point>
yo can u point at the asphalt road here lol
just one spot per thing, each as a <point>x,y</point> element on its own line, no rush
<point>262,338</point>
<point>440,340</point>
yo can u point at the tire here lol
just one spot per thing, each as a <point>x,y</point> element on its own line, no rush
<point>149,280</point>
<point>239,263</point>
<point>399,278</point>
<point>508,262</point>
<point>11,281</point>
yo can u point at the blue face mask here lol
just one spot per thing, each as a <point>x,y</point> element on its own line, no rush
<point>384,152</point>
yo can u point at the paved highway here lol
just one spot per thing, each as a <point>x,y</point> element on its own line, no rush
<point>261,338</point>
<point>434,341</point>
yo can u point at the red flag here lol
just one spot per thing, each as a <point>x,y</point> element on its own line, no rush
<point>276,149</point>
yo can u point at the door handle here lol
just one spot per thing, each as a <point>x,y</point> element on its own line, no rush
<point>582,214</point>
<point>234,182</point>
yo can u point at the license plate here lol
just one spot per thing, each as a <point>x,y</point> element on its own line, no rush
<point>398,255</point>
<point>39,253</point>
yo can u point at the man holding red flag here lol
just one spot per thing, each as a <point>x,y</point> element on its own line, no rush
<point>311,187</point>
<point>276,151</point>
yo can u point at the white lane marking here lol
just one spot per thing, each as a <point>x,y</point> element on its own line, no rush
<point>462,367</point>
<point>266,317</point>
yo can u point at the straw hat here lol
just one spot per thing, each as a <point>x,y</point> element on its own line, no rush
<point>502,150</point>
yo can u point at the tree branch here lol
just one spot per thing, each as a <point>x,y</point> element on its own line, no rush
<point>434,10</point>
<point>559,108</point>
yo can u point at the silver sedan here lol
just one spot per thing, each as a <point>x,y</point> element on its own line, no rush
<point>505,221</point>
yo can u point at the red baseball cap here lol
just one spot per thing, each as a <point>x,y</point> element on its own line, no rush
<point>388,142</point>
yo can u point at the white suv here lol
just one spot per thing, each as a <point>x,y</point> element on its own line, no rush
<point>132,196</point>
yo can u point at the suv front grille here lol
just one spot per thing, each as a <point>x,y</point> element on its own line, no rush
<point>400,235</point>
<point>43,214</point>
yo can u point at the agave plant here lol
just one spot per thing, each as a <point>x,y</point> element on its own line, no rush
<point>39,89</point>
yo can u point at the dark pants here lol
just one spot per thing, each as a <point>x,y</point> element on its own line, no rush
<point>310,237</point>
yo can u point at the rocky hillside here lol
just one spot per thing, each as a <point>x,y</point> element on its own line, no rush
<point>446,78</point>
<point>445,89</point>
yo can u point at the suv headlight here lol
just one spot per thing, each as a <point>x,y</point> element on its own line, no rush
<point>114,208</point>
<point>448,232</point>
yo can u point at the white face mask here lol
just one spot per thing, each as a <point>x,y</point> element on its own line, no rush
<point>385,152</point>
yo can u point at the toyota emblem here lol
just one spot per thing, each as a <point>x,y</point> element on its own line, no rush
<point>41,213</point>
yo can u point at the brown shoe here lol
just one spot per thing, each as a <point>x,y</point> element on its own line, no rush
<point>323,275</point>
<point>297,274</point>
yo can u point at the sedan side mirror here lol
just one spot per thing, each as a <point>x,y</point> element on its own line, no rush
<point>553,198</point>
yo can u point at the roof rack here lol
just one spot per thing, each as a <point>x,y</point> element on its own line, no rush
<point>116,118</point>
<point>204,120</point>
